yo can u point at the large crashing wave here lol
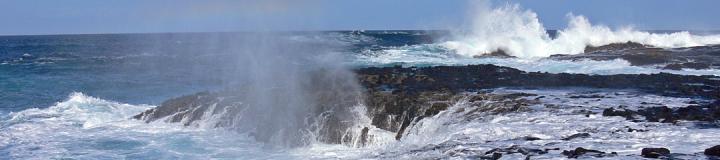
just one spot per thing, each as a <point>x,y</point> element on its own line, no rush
<point>519,32</point>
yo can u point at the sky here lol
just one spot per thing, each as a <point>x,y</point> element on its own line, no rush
<point>32,17</point>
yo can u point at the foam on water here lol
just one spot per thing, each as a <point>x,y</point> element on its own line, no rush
<point>84,127</point>
<point>520,33</point>
<point>435,54</point>
<point>456,132</point>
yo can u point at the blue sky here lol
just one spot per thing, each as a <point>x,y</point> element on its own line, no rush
<point>138,16</point>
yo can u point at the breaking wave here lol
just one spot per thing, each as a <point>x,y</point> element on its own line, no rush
<point>519,32</point>
<point>85,127</point>
<point>435,54</point>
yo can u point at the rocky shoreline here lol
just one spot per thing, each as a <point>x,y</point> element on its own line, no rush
<point>701,57</point>
<point>396,98</point>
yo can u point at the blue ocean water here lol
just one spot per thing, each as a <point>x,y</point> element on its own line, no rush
<point>71,96</point>
<point>37,71</point>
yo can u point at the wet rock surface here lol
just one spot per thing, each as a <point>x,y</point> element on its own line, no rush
<point>701,57</point>
<point>654,152</point>
<point>495,54</point>
<point>709,113</point>
<point>579,135</point>
<point>473,77</point>
<point>713,151</point>
<point>582,152</point>
<point>397,98</point>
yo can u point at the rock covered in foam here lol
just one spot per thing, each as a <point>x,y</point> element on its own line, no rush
<point>473,77</point>
<point>582,152</point>
<point>615,47</point>
<point>320,105</point>
<point>700,57</point>
<point>496,54</point>
<point>395,98</point>
<point>708,113</point>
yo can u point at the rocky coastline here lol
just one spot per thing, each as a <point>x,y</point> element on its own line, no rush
<point>395,98</point>
<point>700,57</point>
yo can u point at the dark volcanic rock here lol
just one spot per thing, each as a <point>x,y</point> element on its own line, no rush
<point>396,97</point>
<point>709,113</point>
<point>530,138</point>
<point>578,135</point>
<point>690,65</point>
<point>517,149</point>
<point>395,111</point>
<point>192,106</point>
<point>628,114</point>
<point>654,152</point>
<point>713,151</point>
<point>255,109</point>
<point>472,77</point>
<point>615,47</point>
<point>701,57</point>
<point>496,54</point>
<point>578,152</point>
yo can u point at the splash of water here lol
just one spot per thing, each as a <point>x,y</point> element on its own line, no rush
<point>519,32</point>
<point>285,93</point>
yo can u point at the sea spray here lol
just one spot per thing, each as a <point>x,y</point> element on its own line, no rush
<point>289,94</point>
<point>518,32</point>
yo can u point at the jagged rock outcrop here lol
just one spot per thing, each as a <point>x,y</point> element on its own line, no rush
<point>616,47</point>
<point>654,152</point>
<point>708,113</point>
<point>319,104</point>
<point>713,151</point>
<point>495,54</point>
<point>395,111</point>
<point>582,152</point>
<point>637,54</point>
<point>473,77</point>
<point>578,135</point>
<point>396,97</point>
<point>701,57</point>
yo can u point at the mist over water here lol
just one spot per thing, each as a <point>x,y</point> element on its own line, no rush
<point>292,91</point>
<point>519,32</point>
<point>294,95</point>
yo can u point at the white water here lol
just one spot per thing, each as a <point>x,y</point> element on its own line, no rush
<point>452,133</point>
<point>83,127</point>
<point>434,54</point>
<point>520,33</point>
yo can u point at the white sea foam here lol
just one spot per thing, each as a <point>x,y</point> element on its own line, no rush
<point>520,33</point>
<point>451,134</point>
<point>84,127</point>
<point>433,54</point>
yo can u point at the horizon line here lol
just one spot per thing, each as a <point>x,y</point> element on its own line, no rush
<point>308,31</point>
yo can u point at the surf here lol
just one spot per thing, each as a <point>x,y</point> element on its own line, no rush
<point>519,32</point>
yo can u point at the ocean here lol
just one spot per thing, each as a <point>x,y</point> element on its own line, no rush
<point>74,96</point>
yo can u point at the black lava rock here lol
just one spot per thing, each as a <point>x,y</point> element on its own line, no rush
<point>713,151</point>
<point>628,114</point>
<point>708,113</point>
<point>582,151</point>
<point>578,135</point>
<point>654,152</point>
<point>517,149</point>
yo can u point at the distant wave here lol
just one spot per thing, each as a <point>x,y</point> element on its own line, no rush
<point>436,54</point>
<point>519,32</point>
